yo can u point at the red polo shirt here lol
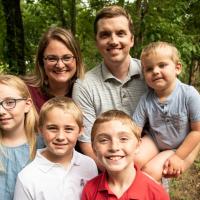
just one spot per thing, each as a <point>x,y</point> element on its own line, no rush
<point>142,188</point>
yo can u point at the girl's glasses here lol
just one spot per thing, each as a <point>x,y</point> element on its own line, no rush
<point>9,104</point>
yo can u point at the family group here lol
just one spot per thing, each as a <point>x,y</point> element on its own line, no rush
<point>115,132</point>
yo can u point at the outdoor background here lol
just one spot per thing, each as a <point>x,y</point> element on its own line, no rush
<point>23,22</point>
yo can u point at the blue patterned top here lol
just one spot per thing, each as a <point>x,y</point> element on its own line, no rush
<point>13,160</point>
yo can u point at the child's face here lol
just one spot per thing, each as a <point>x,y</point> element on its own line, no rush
<point>160,71</point>
<point>115,146</point>
<point>60,132</point>
<point>12,120</point>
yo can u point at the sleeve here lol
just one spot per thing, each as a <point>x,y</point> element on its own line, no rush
<point>93,170</point>
<point>83,97</point>
<point>194,104</point>
<point>140,114</point>
<point>86,193</point>
<point>163,195</point>
<point>21,192</point>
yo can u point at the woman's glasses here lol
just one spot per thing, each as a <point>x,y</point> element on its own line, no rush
<point>53,59</point>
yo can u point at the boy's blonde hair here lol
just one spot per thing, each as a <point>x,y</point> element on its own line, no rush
<point>154,46</point>
<point>64,103</point>
<point>31,117</point>
<point>115,115</point>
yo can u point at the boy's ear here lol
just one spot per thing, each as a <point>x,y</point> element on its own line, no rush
<point>81,130</point>
<point>94,149</point>
<point>178,68</point>
<point>137,150</point>
<point>29,104</point>
<point>132,40</point>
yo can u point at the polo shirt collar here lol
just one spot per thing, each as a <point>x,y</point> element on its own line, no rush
<point>132,190</point>
<point>134,71</point>
<point>45,165</point>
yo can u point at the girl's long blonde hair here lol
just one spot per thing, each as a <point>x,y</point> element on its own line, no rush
<point>31,118</point>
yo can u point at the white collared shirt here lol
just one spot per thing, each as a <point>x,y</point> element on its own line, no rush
<point>45,180</point>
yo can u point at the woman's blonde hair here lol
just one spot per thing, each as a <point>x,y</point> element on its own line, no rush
<point>64,103</point>
<point>115,115</point>
<point>31,117</point>
<point>66,37</point>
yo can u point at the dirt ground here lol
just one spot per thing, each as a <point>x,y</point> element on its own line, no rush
<point>187,187</point>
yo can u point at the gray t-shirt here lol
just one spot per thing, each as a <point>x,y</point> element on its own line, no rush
<point>169,121</point>
<point>101,91</point>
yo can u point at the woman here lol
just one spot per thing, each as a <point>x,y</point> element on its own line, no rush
<point>58,65</point>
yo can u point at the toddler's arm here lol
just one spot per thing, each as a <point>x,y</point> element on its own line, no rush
<point>177,163</point>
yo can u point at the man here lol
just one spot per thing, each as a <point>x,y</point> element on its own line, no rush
<point>116,83</point>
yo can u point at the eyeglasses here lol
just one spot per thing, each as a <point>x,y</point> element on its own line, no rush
<point>53,60</point>
<point>9,104</point>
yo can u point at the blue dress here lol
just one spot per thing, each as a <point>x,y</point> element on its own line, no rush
<point>13,160</point>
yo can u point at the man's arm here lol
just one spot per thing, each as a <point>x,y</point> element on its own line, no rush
<point>83,97</point>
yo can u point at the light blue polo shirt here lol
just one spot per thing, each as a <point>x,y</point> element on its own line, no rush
<point>169,121</point>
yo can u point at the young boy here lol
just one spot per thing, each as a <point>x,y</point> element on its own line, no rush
<point>58,172</point>
<point>172,111</point>
<point>115,141</point>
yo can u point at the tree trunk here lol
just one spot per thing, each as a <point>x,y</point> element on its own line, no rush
<point>61,14</point>
<point>142,9</point>
<point>14,49</point>
<point>73,16</point>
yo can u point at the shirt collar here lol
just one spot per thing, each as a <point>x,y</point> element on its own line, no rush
<point>133,189</point>
<point>45,165</point>
<point>134,71</point>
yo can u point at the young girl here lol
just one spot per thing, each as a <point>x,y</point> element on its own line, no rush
<point>115,141</point>
<point>18,126</point>
<point>58,171</point>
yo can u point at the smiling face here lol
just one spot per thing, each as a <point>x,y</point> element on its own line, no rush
<point>12,121</point>
<point>60,132</point>
<point>59,73</point>
<point>115,145</point>
<point>160,71</point>
<point>114,40</point>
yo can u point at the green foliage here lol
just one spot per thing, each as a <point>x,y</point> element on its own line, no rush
<point>173,21</point>
<point>169,21</point>
<point>2,40</point>
<point>37,17</point>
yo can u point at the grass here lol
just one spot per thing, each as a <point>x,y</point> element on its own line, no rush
<point>187,187</point>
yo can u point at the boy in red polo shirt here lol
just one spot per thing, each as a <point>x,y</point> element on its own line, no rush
<point>115,141</point>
